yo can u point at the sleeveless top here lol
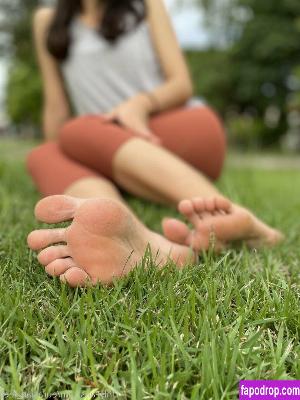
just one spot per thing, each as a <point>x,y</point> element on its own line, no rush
<point>99,75</point>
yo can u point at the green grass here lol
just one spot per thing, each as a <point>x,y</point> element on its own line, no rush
<point>156,334</point>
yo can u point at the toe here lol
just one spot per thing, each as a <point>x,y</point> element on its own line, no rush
<point>59,266</point>
<point>210,204</point>
<point>76,277</point>
<point>223,204</point>
<point>42,238</point>
<point>175,230</point>
<point>50,254</point>
<point>199,204</point>
<point>186,208</point>
<point>54,209</point>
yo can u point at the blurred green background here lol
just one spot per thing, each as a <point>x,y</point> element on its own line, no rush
<point>249,71</point>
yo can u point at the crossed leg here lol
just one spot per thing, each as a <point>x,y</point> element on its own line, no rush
<point>192,150</point>
<point>105,239</point>
<point>94,248</point>
<point>100,246</point>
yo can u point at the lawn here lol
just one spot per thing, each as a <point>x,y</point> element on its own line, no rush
<point>157,334</point>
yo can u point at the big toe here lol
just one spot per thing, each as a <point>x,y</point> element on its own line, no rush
<point>59,208</point>
<point>174,230</point>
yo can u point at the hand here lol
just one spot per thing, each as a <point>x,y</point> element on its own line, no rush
<point>134,115</point>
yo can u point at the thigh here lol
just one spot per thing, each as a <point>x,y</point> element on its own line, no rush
<point>52,171</point>
<point>93,142</point>
<point>194,134</point>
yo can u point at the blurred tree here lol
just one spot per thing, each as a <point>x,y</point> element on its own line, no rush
<point>210,71</point>
<point>263,41</point>
<point>24,97</point>
<point>23,94</point>
<point>291,141</point>
<point>15,25</point>
<point>264,57</point>
<point>219,18</point>
<point>294,83</point>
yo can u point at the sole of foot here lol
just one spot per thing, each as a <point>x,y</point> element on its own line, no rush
<point>221,221</point>
<point>104,241</point>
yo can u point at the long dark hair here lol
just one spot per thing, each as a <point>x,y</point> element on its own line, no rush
<point>120,16</point>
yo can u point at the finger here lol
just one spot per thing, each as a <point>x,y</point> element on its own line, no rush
<point>156,140</point>
<point>111,116</point>
<point>148,134</point>
<point>144,129</point>
<point>152,138</point>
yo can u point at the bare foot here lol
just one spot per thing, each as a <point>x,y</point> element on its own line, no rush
<point>221,221</point>
<point>104,241</point>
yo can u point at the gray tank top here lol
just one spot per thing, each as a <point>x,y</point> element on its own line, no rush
<point>99,76</point>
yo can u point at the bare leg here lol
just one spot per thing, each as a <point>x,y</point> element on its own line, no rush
<point>93,187</point>
<point>101,187</point>
<point>104,231</point>
<point>81,190</point>
<point>156,169</point>
<point>139,163</point>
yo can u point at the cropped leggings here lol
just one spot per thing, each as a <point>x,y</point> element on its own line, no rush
<point>86,147</point>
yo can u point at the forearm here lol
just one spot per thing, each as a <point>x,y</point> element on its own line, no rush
<point>173,93</point>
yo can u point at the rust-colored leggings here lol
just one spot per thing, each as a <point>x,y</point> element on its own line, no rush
<point>86,147</point>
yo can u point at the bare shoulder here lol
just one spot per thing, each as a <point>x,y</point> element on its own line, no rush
<point>42,18</point>
<point>155,4</point>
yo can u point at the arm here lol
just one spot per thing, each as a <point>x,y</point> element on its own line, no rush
<point>177,88</point>
<point>56,109</point>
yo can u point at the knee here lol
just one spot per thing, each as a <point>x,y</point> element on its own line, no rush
<point>76,129</point>
<point>212,133</point>
<point>210,123</point>
<point>219,142</point>
<point>68,129</point>
<point>39,155</point>
<point>215,122</point>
